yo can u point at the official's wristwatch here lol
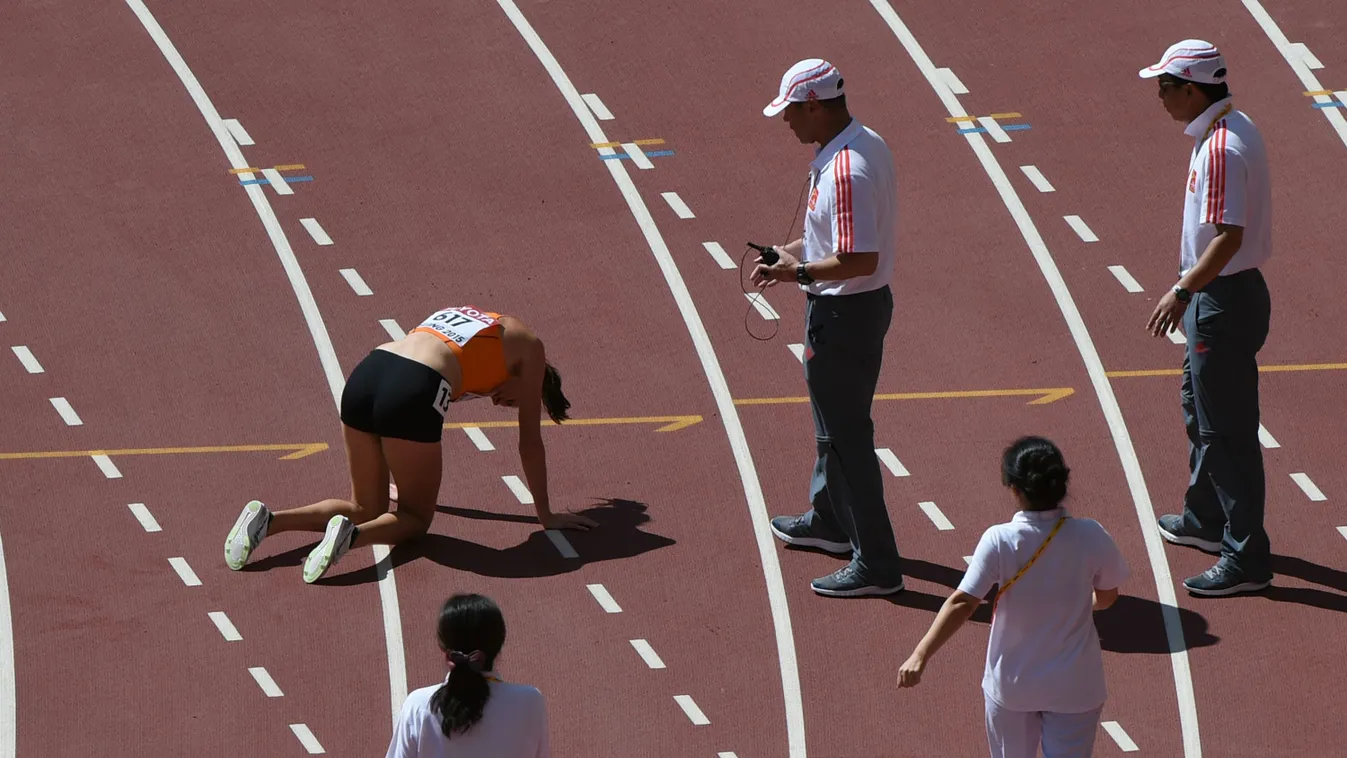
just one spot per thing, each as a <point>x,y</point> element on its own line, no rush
<point>803,276</point>
<point>1182,294</point>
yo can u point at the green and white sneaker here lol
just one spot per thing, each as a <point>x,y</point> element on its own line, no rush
<point>336,541</point>
<point>247,534</point>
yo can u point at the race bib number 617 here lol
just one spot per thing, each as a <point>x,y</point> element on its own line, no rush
<point>459,324</point>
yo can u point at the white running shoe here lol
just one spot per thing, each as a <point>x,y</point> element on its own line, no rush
<point>336,541</point>
<point>247,534</point>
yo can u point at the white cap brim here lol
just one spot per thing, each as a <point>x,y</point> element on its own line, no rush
<point>774,109</point>
<point>1150,72</point>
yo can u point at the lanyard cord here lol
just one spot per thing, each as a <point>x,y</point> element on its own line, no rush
<point>1212,126</point>
<point>753,298</point>
<point>1037,553</point>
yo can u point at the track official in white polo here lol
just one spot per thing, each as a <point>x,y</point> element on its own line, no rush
<point>843,262</point>
<point>1225,307</point>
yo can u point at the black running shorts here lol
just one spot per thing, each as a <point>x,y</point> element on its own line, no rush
<point>397,397</point>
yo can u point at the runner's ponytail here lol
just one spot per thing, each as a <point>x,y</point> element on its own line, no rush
<point>555,402</point>
<point>467,622</point>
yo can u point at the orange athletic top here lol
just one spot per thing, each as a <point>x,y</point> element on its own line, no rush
<point>475,338</point>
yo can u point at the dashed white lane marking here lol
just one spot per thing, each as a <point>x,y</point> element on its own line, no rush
<point>225,626</point>
<point>798,349</point>
<point>25,357</point>
<point>106,465</point>
<point>690,708</point>
<point>896,466</point>
<point>1302,51</point>
<point>1125,279</point>
<point>1265,437</point>
<point>62,407</point>
<point>638,155</point>
<point>185,572</point>
<point>1119,736</point>
<point>1297,63</point>
<point>1036,176</point>
<point>994,129</point>
<point>307,739</point>
<point>144,516</point>
<point>237,131</point>
<point>277,181</point>
<point>968,560</point>
<point>1082,229</point>
<point>392,328</point>
<point>1343,531</point>
<point>1177,337</point>
<point>677,204</point>
<point>265,681</point>
<point>1311,491</point>
<point>519,489</point>
<point>726,754</point>
<point>952,81</point>
<point>479,439</point>
<point>936,517</point>
<point>316,231</point>
<point>353,278</point>
<point>647,654</point>
<point>2,318</point>
<point>606,600</point>
<point>765,308</point>
<point>562,544</point>
<point>595,104</point>
<point>717,252</point>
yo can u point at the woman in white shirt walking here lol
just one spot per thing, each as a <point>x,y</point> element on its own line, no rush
<point>1044,676</point>
<point>472,714</point>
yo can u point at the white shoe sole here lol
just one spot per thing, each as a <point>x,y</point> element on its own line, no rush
<point>1232,590</point>
<point>867,591</point>
<point>1206,546</point>
<point>251,511</point>
<point>327,552</point>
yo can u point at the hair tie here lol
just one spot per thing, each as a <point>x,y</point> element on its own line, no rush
<point>473,660</point>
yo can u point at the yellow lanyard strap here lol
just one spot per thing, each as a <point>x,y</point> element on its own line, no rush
<point>1037,553</point>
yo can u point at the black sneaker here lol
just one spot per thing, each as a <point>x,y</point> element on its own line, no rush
<point>793,530</point>
<point>1171,528</point>
<point>1219,581</point>
<point>847,582</point>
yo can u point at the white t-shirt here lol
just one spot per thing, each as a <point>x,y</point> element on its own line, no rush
<point>853,207</point>
<point>513,725</point>
<point>1044,652</point>
<point>1227,184</point>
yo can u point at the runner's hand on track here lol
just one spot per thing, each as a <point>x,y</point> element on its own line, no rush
<point>567,521</point>
<point>1167,315</point>
<point>909,675</point>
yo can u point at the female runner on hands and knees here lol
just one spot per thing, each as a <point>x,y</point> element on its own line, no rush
<point>392,412</point>
<point>1043,681</point>
<point>473,712</point>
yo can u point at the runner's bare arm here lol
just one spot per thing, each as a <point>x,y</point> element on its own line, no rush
<point>532,451</point>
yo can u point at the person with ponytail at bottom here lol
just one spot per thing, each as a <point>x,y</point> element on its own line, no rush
<point>1044,677</point>
<point>473,713</point>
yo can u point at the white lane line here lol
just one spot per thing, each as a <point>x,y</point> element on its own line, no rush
<point>265,681</point>
<point>690,708</point>
<point>479,439</point>
<point>1343,531</point>
<point>2,318</point>
<point>1308,487</point>
<point>277,181</point>
<point>638,155</point>
<point>1125,279</point>
<point>674,201</point>
<point>225,626</point>
<point>606,600</point>
<point>144,516</point>
<point>25,357</point>
<point>185,572</point>
<point>8,704</point>
<point>315,230</point>
<point>936,517</point>
<point>62,407</point>
<point>1177,337</point>
<point>1036,176</point>
<point>994,129</point>
<point>1108,401</point>
<point>313,318</point>
<point>1265,437</point>
<point>952,81</point>
<point>758,515</point>
<point>896,466</point>
<point>726,754</point>
<point>307,739</point>
<point>353,278</point>
<point>798,349</point>
<point>765,308</point>
<point>596,105</point>
<point>1298,64</point>
<point>562,544</point>
<point>647,654</point>
<point>519,489</point>
<point>1082,229</point>
<point>237,131</point>
<point>968,560</point>
<point>722,258</point>
<point>1119,736</point>
<point>1302,51</point>
<point>391,326</point>
<point>106,465</point>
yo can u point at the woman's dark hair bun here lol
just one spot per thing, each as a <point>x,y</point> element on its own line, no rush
<point>1035,466</point>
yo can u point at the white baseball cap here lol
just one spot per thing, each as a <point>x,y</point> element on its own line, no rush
<point>810,79</point>
<point>1192,59</point>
